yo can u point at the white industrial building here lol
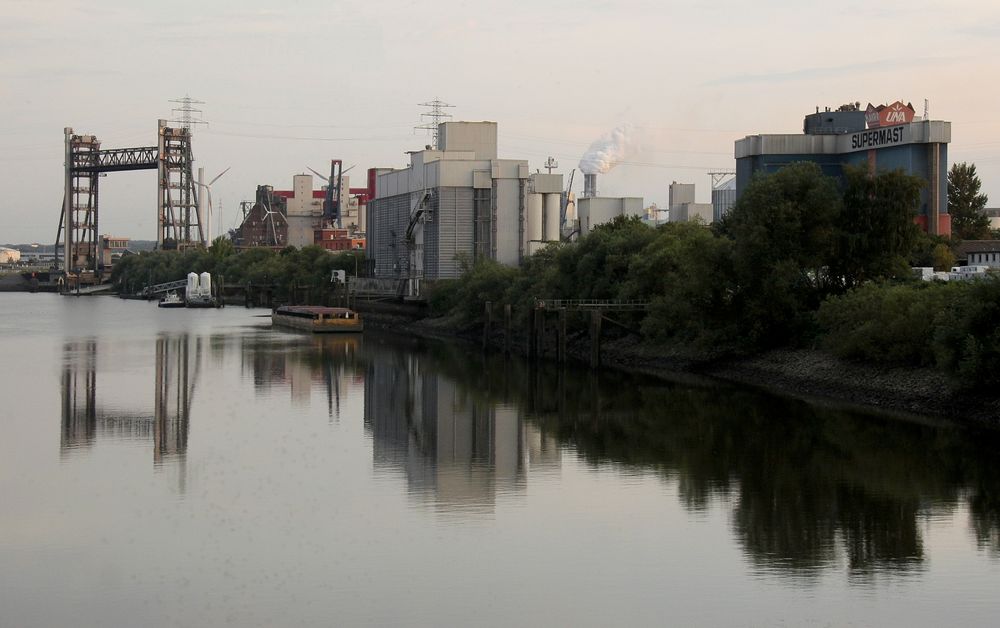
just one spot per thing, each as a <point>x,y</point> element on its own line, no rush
<point>459,203</point>
<point>9,256</point>
<point>597,210</point>
<point>683,208</point>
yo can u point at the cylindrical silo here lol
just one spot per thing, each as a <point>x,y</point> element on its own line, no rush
<point>205,284</point>
<point>553,205</point>
<point>534,231</point>
<point>570,208</point>
<point>192,285</point>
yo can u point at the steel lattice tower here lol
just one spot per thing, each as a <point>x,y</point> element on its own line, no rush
<point>436,115</point>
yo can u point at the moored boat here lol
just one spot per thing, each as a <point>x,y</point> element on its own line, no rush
<point>172,299</point>
<point>318,319</point>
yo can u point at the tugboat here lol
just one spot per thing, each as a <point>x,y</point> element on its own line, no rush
<point>171,300</point>
<point>318,319</point>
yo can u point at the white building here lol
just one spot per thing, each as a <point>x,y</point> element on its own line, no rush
<point>9,256</point>
<point>684,209</point>
<point>597,210</point>
<point>454,204</point>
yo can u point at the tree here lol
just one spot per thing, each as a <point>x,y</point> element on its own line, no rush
<point>784,236</point>
<point>876,228</point>
<point>966,203</point>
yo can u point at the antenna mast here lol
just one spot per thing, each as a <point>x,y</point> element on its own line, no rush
<point>436,115</point>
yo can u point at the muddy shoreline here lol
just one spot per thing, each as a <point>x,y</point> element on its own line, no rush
<point>808,374</point>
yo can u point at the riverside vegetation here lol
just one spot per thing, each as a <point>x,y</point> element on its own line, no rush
<point>801,260</point>
<point>307,268</point>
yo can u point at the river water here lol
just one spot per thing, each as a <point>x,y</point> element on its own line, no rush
<point>197,468</point>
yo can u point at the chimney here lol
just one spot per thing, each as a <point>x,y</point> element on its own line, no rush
<point>589,185</point>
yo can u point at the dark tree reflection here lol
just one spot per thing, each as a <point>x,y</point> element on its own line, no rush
<point>809,487</point>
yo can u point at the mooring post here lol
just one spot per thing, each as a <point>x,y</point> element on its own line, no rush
<point>506,328</point>
<point>561,342</point>
<point>487,320</point>
<point>532,331</point>
<point>542,314</point>
<point>595,338</point>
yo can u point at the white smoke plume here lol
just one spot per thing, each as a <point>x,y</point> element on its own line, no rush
<point>607,152</point>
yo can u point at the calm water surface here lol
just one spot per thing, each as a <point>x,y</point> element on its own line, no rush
<point>197,468</point>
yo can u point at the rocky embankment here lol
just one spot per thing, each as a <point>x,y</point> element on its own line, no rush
<point>805,373</point>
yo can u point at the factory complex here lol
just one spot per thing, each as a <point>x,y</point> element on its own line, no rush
<point>457,201</point>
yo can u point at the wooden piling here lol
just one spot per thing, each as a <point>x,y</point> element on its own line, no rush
<point>595,338</point>
<point>532,334</point>
<point>487,323</point>
<point>506,329</point>
<point>561,342</point>
<point>540,334</point>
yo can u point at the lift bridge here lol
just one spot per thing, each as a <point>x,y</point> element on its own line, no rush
<point>179,220</point>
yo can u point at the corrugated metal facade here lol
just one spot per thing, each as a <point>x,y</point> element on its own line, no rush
<point>385,241</point>
<point>448,233</point>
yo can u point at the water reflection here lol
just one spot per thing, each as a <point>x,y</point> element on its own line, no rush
<point>85,419</point>
<point>298,362</point>
<point>805,489</point>
<point>458,447</point>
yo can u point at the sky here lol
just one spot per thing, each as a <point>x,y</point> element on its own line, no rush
<point>290,85</point>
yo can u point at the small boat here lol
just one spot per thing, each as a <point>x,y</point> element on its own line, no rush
<point>318,319</point>
<point>171,300</point>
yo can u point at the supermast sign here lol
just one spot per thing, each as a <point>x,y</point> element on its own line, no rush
<point>889,115</point>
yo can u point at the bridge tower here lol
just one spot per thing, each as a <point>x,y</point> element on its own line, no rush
<point>179,221</point>
<point>80,201</point>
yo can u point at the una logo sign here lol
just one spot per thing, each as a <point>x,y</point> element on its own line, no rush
<point>888,115</point>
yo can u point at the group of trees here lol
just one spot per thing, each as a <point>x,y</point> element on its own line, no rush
<point>802,258</point>
<point>308,267</point>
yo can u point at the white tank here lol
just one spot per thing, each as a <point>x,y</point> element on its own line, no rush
<point>534,231</point>
<point>553,202</point>
<point>192,285</point>
<point>205,284</point>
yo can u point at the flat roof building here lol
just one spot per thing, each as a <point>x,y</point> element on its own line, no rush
<point>884,138</point>
<point>452,205</point>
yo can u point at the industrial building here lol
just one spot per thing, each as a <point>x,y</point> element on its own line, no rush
<point>307,211</point>
<point>597,210</point>
<point>887,137</point>
<point>9,256</point>
<point>593,210</point>
<point>265,222</point>
<point>683,208</point>
<point>303,216</point>
<point>458,203</point>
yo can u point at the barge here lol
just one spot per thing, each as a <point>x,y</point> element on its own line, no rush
<point>318,319</point>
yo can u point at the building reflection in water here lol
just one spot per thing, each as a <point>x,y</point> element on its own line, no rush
<point>456,446</point>
<point>175,375</point>
<point>79,395</point>
<point>299,362</point>
<point>178,366</point>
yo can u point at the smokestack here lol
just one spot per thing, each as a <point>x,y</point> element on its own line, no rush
<point>589,185</point>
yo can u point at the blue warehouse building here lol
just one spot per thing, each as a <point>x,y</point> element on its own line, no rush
<point>880,139</point>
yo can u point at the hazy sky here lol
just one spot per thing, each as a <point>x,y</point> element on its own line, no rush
<point>293,84</point>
